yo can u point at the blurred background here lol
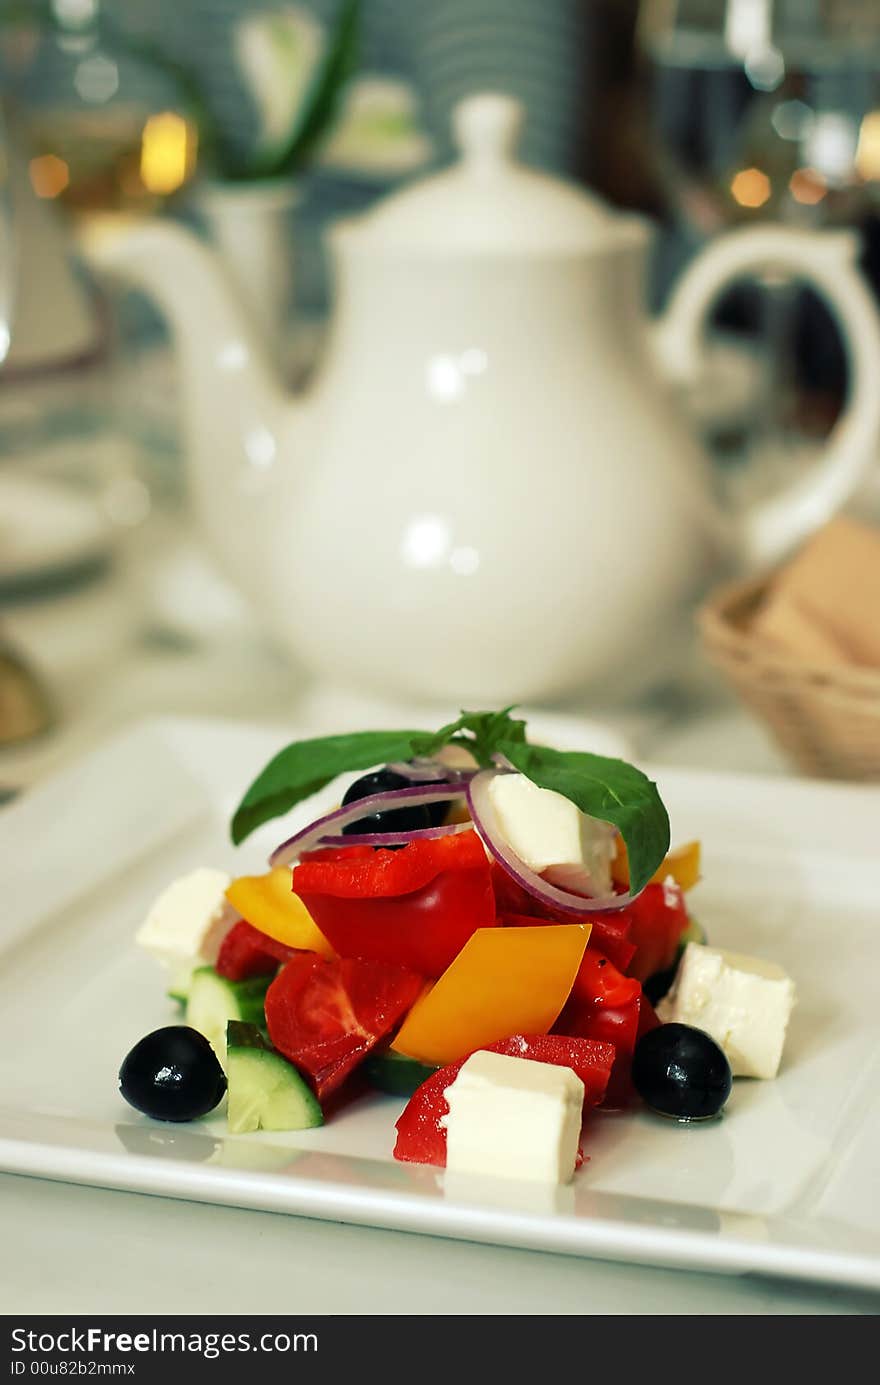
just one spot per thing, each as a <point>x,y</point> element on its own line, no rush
<point>130,584</point>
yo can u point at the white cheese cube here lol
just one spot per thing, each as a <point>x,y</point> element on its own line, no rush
<point>545,829</point>
<point>743,1002</point>
<point>188,922</point>
<point>513,1117</point>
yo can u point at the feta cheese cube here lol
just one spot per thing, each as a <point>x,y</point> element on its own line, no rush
<point>188,922</point>
<point>743,1002</point>
<point>546,830</point>
<point>513,1117</point>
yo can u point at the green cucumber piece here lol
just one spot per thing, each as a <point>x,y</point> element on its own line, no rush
<point>395,1073</point>
<point>265,1092</point>
<point>694,933</point>
<point>213,1002</point>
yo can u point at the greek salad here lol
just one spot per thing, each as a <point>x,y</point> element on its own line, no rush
<point>492,930</point>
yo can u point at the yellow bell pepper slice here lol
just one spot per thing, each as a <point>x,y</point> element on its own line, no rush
<point>268,903</point>
<point>682,863</point>
<point>504,981</point>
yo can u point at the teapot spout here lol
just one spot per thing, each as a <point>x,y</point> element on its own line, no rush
<point>234,409</point>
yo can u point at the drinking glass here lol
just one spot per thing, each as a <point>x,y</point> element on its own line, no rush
<point>768,109</point>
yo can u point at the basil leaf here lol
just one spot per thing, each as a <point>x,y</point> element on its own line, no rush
<point>603,788</point>
<point>304,768</point>
<point>488,730</point>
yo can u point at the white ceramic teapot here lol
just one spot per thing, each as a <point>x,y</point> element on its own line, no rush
<point>488,494</point>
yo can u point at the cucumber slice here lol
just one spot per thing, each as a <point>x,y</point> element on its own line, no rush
<point>265,1091</point>
<point>694,933</point>
<point>395,1073</point>
<point>213,1002</point>
<point>179,983</point>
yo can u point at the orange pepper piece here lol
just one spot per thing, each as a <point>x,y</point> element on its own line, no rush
<point>683,864</point>
<point>269,904</point>
<point>504,981</point>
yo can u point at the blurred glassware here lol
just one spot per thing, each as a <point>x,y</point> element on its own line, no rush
<point>764,107</point>
<point>59,323</point>
<point>7,275</point>
<point>24,707</point>
<point>108,126</point>
<point>767,109</point>
<point>68,485</point>
<point>63,461</point>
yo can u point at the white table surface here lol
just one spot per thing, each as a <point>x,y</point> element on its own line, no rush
<point>111,657</point>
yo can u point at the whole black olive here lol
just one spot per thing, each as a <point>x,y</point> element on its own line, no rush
<point>172,1074</point>
<point>681,1072</point>
<point>409,819</point>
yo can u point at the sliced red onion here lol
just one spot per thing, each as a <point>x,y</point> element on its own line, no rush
<point>418,834</point>
<point>332,823</point>
<point>485,820</point>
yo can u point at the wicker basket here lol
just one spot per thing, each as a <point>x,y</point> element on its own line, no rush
<point>826,719</point>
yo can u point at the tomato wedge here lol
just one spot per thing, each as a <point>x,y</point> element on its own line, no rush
<point>421,1134</point>
<point>326,1015</point>
<point>657,919</point>
<point>609,1007</point>
<point>245,951</point>
<point>416,907</point>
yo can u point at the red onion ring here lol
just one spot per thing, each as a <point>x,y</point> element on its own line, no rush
<point>485,819</point>
<point>418,834</point>
<point>332,823</point>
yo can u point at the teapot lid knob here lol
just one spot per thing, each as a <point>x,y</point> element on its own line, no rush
<point>487,127</point>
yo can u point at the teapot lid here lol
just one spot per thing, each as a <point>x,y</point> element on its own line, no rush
<point>488,201</point>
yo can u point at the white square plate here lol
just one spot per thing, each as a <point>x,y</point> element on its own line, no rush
<point>785,1183</point>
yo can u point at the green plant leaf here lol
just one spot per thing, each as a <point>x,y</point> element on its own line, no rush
<point>304,768</point>
<point>487,730</point>
<point>603,788</point>
<point>320,110</point>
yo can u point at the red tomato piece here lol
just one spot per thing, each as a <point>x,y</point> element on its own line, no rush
<point>599,982</point>
<point>610,930</point>
<point>423,928</point>
<point>326,1015</point>
<point>421,1138</point>
<point>245,951</point>
<point>605,1005</point>
<point>657,919</point>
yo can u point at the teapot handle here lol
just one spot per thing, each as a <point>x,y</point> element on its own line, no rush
<point>825,260</point>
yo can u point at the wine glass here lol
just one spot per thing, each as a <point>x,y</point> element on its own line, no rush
<point>24,707</point>
<point>767,109</point>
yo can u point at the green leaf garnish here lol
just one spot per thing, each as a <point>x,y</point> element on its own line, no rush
<point>304,768</point>
<point>601,787</point>
<point>488,731</point>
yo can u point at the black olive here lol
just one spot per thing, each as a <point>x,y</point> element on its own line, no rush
<point>409,819</point>
<point>657,986</point>
<point>172,1074</point>
<point>681,1072</point>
